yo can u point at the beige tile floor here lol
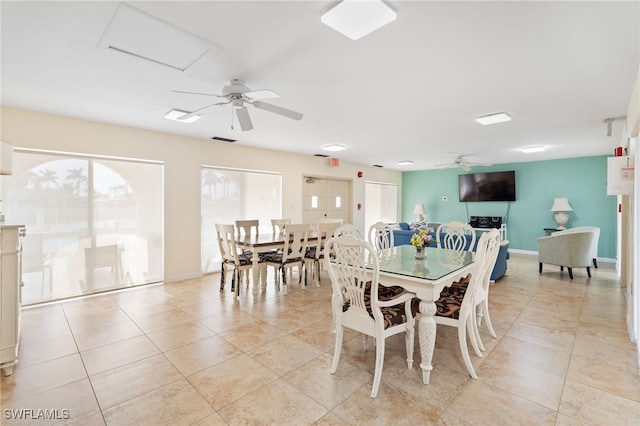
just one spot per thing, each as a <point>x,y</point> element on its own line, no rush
<point>183,353</point>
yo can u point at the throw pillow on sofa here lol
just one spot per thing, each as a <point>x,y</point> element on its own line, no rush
<point>417,226</point>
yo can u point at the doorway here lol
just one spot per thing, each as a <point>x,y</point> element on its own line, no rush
<point>324,198</point>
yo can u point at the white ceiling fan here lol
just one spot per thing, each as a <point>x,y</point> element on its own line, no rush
<point>237,94</point>
<point>463,163</point>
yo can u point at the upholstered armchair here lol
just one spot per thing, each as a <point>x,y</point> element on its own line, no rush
<point>594,245</point>
<point>570,249</point>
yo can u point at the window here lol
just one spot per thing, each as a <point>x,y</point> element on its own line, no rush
<point>93,224</point>
<point>230,194</point>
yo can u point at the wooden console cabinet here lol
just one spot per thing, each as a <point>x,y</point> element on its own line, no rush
<point>10,294</point>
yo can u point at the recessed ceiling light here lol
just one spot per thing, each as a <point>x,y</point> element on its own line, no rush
<point>405,163</point>
<point>499,117</point>
<point>175,115</point>
<point>334,147</point>
<point>356,18</point>
<point>530,149</point>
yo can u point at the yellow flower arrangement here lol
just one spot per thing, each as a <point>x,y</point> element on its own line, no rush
<point>421,239</point>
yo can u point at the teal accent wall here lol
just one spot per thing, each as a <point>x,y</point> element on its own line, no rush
<point>582,180</point>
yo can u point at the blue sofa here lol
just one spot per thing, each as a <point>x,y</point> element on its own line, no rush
<point>403,237</point>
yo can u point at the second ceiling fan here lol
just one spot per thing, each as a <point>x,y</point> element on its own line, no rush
<point>463,163</point>
<point>238,95</point>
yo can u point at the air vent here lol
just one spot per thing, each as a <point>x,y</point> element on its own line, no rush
<point>377,165</point>
<point>320,155</point>
<point>221,139</point>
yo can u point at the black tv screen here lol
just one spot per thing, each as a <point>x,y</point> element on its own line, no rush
<point>493,186</point>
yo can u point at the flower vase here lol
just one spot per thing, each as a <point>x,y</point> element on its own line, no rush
<point>420,252</point>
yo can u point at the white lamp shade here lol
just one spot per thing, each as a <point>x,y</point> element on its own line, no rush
<point>561,205</point>
<point>419,209</point>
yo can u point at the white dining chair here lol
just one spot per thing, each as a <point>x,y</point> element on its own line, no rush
<point>231,259</point>
<point>292,255</point>
<point>315,253</point>
<point>456,236</point>
<point>348,228</point>
<point>456,305</point>
<point>380,236</point>
<point>277,225</point>
<point>360,303</point>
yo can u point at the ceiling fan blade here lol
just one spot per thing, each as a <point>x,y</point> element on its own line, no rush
<point>244,119</point>
<point>192,113</point>
<point>261,94</point>
<point>278,110</point>
<point>197,93</point>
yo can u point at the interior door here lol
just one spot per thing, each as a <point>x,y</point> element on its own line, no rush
<point>325,198</point>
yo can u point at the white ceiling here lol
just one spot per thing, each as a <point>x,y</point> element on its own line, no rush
<point>410,90</point>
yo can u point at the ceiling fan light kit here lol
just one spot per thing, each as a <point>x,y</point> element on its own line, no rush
<point>237,94</point>
<point>499,117</point>
<point>356,18</point>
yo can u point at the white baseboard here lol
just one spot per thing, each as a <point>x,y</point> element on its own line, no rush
<point>535,253</point>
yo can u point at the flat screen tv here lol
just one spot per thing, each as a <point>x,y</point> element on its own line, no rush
<point>493,186</point>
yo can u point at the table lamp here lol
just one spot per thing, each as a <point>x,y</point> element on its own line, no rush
<point>560,207</point>
<point>420,211</point>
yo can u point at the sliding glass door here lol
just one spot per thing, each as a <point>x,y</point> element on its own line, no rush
<point>380,200</point>
<point>93,224</point>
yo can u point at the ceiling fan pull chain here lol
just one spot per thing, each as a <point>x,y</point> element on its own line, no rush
<point>231,118</point>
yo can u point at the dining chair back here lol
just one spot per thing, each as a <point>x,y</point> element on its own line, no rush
<point>380,236</point>
<point>231,259</point>
<point>348,228</point>
<point>456,236</point>
<point>360,303</point>
<point>247,228</point>
<point>315,252</point>
<point>295,245</point>
<point>277,225</point>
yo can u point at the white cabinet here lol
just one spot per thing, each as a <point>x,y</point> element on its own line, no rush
<point>620,175</point>
<point>10,294</point>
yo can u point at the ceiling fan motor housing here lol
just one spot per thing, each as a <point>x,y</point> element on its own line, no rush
<point>236,87</point>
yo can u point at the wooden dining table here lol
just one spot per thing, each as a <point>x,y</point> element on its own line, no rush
<point>426,278</point>
<point>267,241</point>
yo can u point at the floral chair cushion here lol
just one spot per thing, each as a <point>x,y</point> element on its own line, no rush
<point>393,315</point>
<point>450,300</point>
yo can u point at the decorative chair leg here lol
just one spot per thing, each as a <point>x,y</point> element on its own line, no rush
<point>318,273</point>
<point>589,271</point>
<point>222,274</point>
<point>570,272</point>
<point>540,268</point>
<point>595,263</point>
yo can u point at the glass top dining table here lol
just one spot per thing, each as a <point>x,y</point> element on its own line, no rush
<point>426,278</point>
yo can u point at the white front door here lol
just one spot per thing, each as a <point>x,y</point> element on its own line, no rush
<point>325,198</point>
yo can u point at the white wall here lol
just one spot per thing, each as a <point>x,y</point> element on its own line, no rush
<point>183,157</point>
